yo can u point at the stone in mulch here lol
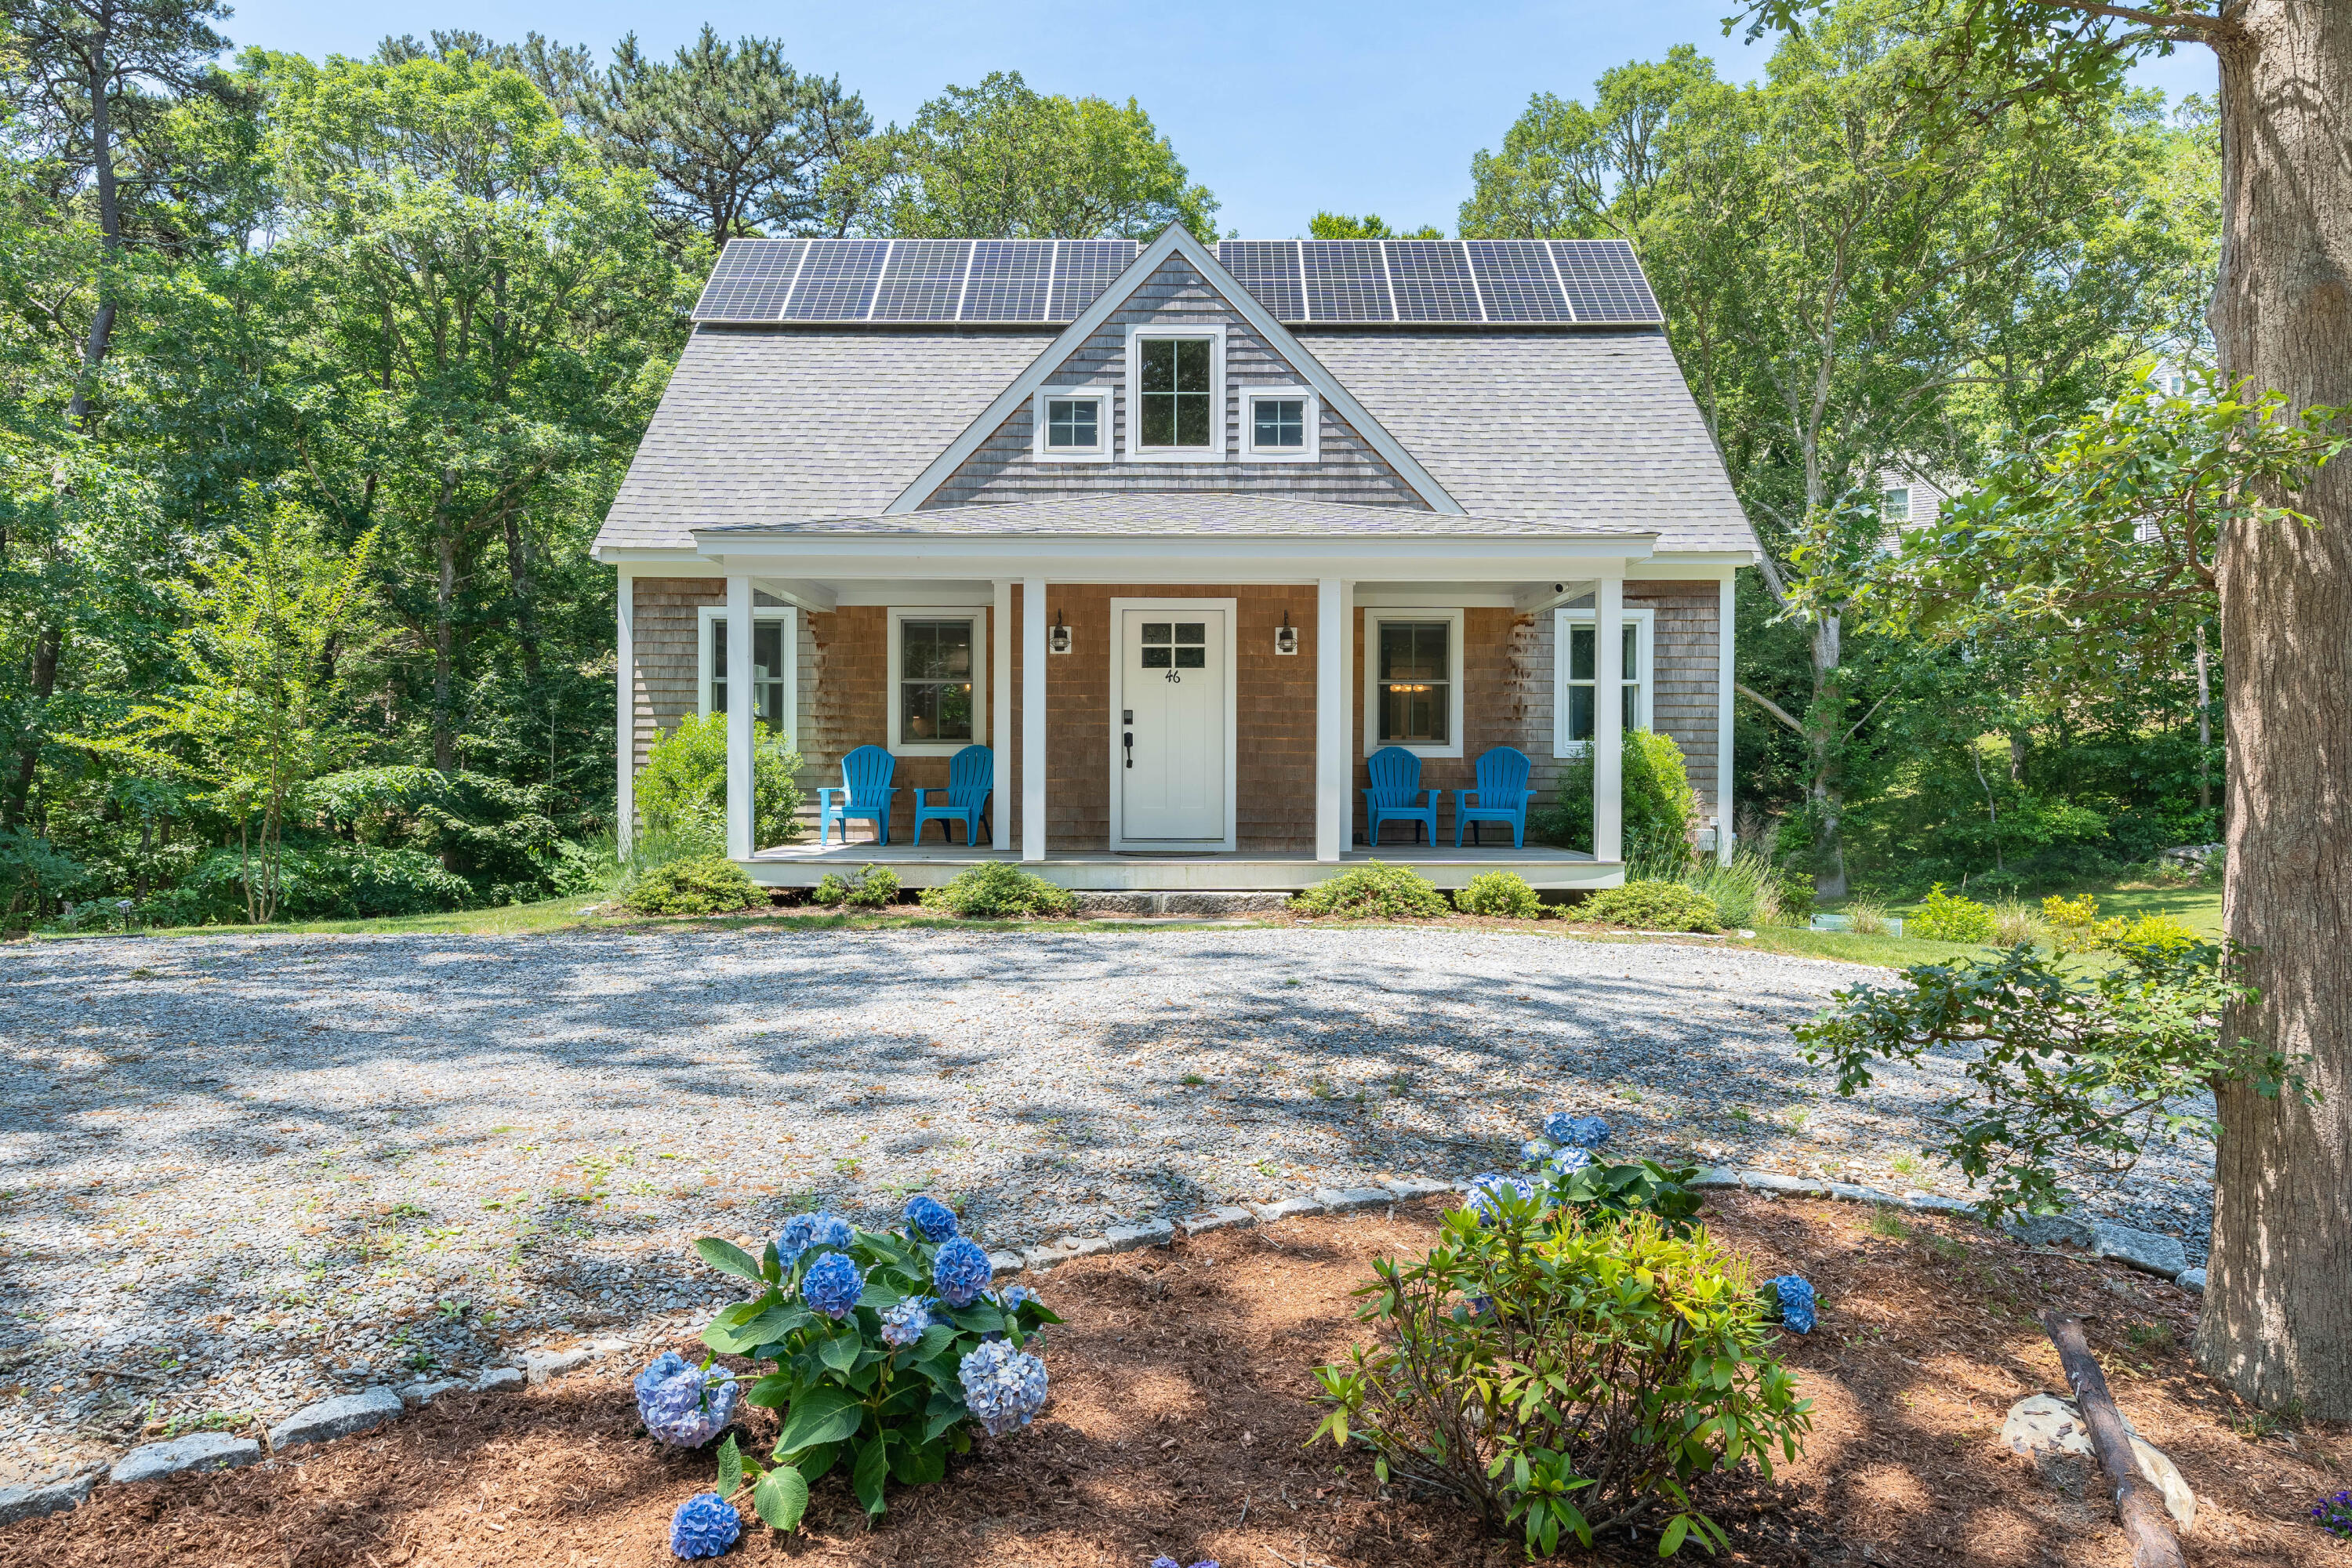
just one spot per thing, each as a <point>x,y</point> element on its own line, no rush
<point>337,1417</point>
<point>196,1451</point>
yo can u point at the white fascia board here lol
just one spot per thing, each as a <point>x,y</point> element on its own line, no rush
<point>689,560</point>
<point>1173,239</point>
<point>1066,559</point>
<point>1690,566</point>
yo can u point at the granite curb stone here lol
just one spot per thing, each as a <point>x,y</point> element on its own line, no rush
<point>196,1451</point>
<point>1150,1233</point>
<point>340,1416</point>
<point>1285,1208</point>
<point>1221,1217</point>
<point>1338,1200</point>
<point>32,1502</point>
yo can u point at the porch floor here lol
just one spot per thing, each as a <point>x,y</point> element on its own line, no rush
<point>1100,871</point>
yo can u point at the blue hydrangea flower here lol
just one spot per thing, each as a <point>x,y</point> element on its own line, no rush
<point>1002,1386</point>
<point>804,1232</point>
<point>961,1272</point>
<point>690,1408</point>
<point>1534,1151</point>
<point>667,1365</point>
<point>1568,1162</point>
<point>903,1324</point>
<point>931,1218</point>
<point>705,1525</point>
<point>1171,1562</point>
<point>833,1284</point>
<point>1581,1131</point>
<point>1796,1299</point>
<point>1489,1187</point>
<point>1012,1296</point>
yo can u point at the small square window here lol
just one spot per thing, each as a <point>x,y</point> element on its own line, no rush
<point>1278,422</point>
<point>1073,422</point>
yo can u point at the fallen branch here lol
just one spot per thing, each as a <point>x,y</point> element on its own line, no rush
<point>2139,1505</point>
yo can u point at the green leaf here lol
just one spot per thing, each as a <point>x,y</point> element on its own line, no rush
<point>772,1392</point>
<point>943,1412</point>
<point>820,1415</point>
<point>1672,1540</point>
<point>729,1259</point>
<point>767,1327</point>
<point>840,1352</point>
<point>780,1497</point>
<point>870,1473</point>
<point>730,1467</point>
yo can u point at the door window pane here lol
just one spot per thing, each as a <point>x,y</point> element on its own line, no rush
<point>1176,395</point>
<point>767,671</point>
<point>1415,701</point>
<point>935,679</point>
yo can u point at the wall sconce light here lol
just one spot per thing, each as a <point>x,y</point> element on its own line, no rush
<point>1057,636</point>
<point>1286,636</point>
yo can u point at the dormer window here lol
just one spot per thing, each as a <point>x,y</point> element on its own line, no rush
<point>1072,424</point>
<point>1175,395</point>
<point>1279,422</point>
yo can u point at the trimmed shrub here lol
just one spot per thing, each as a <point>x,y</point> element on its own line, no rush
<point>1375,891</point>
<point>1653,906</point>
<point>1559,1376</point>
<point>706,885</point>
<point>872,889</point>
<point>1503,894</point>
<point>1946,918</point>
<point>994,890</point>
<point>1659,800</point>
<point>683,786</point>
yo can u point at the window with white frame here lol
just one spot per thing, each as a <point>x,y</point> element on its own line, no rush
<point>1577,660</point>
<point>1894,505</point>
<point>1413,681</point>
<point>938,680</point>
<point>1278,423</point>
<point>1175,394</point>
<point>774,664</point>
<point>1072,424</point>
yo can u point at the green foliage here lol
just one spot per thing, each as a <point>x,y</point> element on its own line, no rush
<point>1645,1186</point>
<point>493,835</point>
<point>1504,894</point>
<point>846,1395</point>
<point>1566,1376</point>
<point>1945,917</point>
<point>994,890</point>
<point>1652,906</point>
<point>873,887</point>
<point>1340,226</point>
<point>1659,803</point>
<point>1748,892</point>
<point>2075,926</point>
<point>32,871</point>
<point>1374,890</point>
<point>706,885</point>
<point>682,788</point>
<point>2058,1067</point>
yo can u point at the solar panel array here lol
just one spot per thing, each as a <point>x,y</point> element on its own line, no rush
<point>1299,281</point>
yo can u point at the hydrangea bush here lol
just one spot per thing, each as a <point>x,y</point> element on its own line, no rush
<point>889,1350</point>
<point>1565,1168</point>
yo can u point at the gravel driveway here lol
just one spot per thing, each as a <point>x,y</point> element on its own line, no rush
<point>242,1171</point>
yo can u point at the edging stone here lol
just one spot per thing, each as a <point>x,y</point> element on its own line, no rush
<point>32,1502</point>
<point>340,1416</point>
<point>196,1451</point>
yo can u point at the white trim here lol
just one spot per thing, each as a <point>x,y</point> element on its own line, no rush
<point>706,615</point>
<point>1451,616</point>
<point>1229,614</point>
<point>1608,731</point>
<point>625,714</point>
<point>1131,446</point>
<point>1727,628</point>
<point>1645,624</point>
<point>1173,239</point>
<point>1247,392</point>
<point>978,616</point>
<point>1033,719</point>
<point>1335,625</point>
<point>742,825</point>
<point>1000,735</point>
<point>1100,396</point>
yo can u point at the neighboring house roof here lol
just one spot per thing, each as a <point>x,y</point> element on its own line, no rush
<point>1162,512</point>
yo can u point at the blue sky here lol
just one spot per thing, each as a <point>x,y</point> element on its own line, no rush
<point>1281,110</point>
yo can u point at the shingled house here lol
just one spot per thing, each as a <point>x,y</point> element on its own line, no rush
<point>1183,533</point>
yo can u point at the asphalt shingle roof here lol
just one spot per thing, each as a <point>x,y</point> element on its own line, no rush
<point>1164,513</point>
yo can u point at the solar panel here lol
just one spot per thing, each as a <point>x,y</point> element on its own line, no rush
<point>1345,280</point>
<point>838,280</point>
<point>1083,269</point>
<point>1516,280</point>
<point>1604,281</point>
<point>1430,278</point>
<point>751,280</point>
<point>1009,280</point>
<point>922,280</point>
<point>1268,268</point>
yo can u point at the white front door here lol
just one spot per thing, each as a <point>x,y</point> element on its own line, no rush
<point>1171,762</point>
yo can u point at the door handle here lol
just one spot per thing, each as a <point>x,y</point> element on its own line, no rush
<point>1128,739</point>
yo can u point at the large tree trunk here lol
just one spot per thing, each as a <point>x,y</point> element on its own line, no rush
<point>1825,748</point>
<point>445,617</point>
<point>48,647</point>
<point>99,81</point>
<point>2277,1324</point>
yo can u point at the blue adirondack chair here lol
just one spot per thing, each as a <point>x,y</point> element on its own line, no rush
<point>1502,794</point>
<point>971,774</point>
<point>1396,795</point>
<point>865,795</point>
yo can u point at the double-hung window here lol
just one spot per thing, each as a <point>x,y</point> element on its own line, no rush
<point>938,680</point>
<point>1072,424</point>
<point>1578,662</point>
<point>1175,395</point>
<point>773,662</point>
<point>1412,696</point>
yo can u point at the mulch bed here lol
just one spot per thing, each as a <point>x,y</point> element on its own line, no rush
<point>1183,1402</point>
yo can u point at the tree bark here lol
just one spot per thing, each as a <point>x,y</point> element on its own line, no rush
<point>2140,1504</point>
<point>99,70</point>
<point>444,612</point>
<point>49,648</point>
<point>1825,744</point>
<point>2277,1320</point>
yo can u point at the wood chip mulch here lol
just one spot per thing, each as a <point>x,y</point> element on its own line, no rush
<point>1183,1402</point>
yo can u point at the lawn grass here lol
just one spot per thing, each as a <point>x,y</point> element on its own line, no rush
<point>1848,947</point>
<point>2197,906</point>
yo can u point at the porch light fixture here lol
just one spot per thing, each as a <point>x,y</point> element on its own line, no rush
<point>1286,636</point>
<point>1057,636</point>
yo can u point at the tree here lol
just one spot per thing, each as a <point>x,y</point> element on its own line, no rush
<point>1003,161</point>
<point>2276,1321</point>
<point>1340,226</point>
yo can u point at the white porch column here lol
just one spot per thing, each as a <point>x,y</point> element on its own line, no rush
<point>1726,625</point>
<point>1000,712</point>
<point>740,712</point>
<point>1609,719</point>
<point>1033,719</point>
<point>1335,615</point>
<point>625,716</point>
